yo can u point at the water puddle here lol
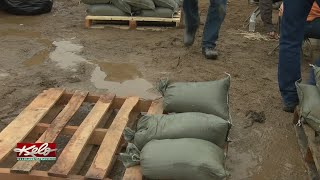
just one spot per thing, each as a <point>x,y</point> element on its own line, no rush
<point>66,54</point>
<point>122,79</point>
<point>40,56</point>
<point>12,19</point>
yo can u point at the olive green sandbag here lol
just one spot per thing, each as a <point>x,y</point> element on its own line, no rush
<point>185,159</point>
<point>207,97</point>
<point>143,4</point>
<point>171,4</point>
<point>105,10</point>
<point>317,75</point>
<point>179,2</point>
<point>158,12</point>
<point>125,7</point>
<point>182,125</point>
<point>92,2</point>
<point>309,97</point>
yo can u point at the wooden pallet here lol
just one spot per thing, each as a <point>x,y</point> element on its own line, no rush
<point>309,148</point>
<point>46,118</point>
<point>133,21</point>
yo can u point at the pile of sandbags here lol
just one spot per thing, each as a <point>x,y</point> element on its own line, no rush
<point>188,142</point>
<point>309,97</point>
<point>145,8</point>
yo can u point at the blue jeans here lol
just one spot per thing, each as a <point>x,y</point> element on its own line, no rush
<point>215,17</point>
<point>292,33</point>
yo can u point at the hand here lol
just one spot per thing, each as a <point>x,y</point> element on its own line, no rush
<point>281,10</point>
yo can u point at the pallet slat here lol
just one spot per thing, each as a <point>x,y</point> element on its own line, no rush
<point>54,129</point>
<point>72,151</point>
<point>105,156</point>
<point>22,125</point>
<point>134,173</point>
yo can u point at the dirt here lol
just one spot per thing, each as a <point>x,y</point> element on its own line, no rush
<point>32,59</point>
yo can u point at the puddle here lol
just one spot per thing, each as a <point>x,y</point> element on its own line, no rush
<point>114,78</point>
<point>65,54</point>
<point>12,19</point>
<point>37,58</point>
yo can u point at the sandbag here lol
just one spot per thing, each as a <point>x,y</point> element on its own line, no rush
<point>179,2</point>
<point>143,4</point>
<point>93,2</point>
<point>207,97</point>
<point>105,10</point>
<point>158,12</point>
<point>309,97</point>
<point>183,125</point>
<point>171,4</point>
<point>187,159</point>
<point>317,75</point>
<point>30,7</point>
<point>125,7</point>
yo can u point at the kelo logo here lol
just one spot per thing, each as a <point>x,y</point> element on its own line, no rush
<point>36,151</point>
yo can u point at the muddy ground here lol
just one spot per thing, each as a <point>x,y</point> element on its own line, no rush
<point>55,50</point>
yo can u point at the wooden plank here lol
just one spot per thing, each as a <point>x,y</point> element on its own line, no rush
<point>303,144</point>
<point>313,144</point>
<point>54,129</point>
<point>34,175</point>
<point>142,106</point>
<point>104,158</point>
<point>21,126</point>
<point>71,152</point>
<point>132,18</point>
<point>95,139</point>
<point>134,173</point>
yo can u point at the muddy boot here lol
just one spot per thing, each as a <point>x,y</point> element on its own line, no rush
<point>289,108</point>
<point>189,36</point>
<point>210,53</point>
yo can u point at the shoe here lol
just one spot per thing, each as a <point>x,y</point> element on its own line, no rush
<point>210,53</point>
<point>290,108</point>
<point>189,37</point>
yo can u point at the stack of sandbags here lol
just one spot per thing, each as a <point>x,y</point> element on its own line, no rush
<point>188,143</point>
<point>146,8</point>
<point>309,97</point>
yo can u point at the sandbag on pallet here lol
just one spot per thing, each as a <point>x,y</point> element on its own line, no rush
<point>143,4</point>
<point>309,97</point>
<point>171,4</point>
<point>183,125</point>
<point>93,2</point>
<point>317,75</point>
<point>125,7</point>
<point>105,10</point>
<point>158,12</point>
<point>186,159</point>
<point>207,97</point>
<point>179,2</point>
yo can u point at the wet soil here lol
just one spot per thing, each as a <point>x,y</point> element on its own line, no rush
<point>55,50</point>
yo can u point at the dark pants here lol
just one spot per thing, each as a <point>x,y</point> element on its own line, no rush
<point>215,17</point>
<point>266,14</point>
<point>292,34</point>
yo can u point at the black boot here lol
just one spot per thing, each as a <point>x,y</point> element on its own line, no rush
<point>210,53</point>
<point>189,36</point>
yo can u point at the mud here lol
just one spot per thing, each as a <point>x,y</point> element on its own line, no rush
<point>55,50</point>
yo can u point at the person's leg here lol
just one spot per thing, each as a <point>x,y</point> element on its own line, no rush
<point>266,14</point>
<point>192,20</point>
<point>312,29</point>
<point>292,34</point>
<point>312,80</point>
<point>215,17</point>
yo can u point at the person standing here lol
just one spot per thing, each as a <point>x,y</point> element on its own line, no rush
<point>215,17</point>
<point>292,32</point>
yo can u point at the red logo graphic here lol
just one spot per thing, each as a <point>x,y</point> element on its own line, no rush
<point>36,151</point>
